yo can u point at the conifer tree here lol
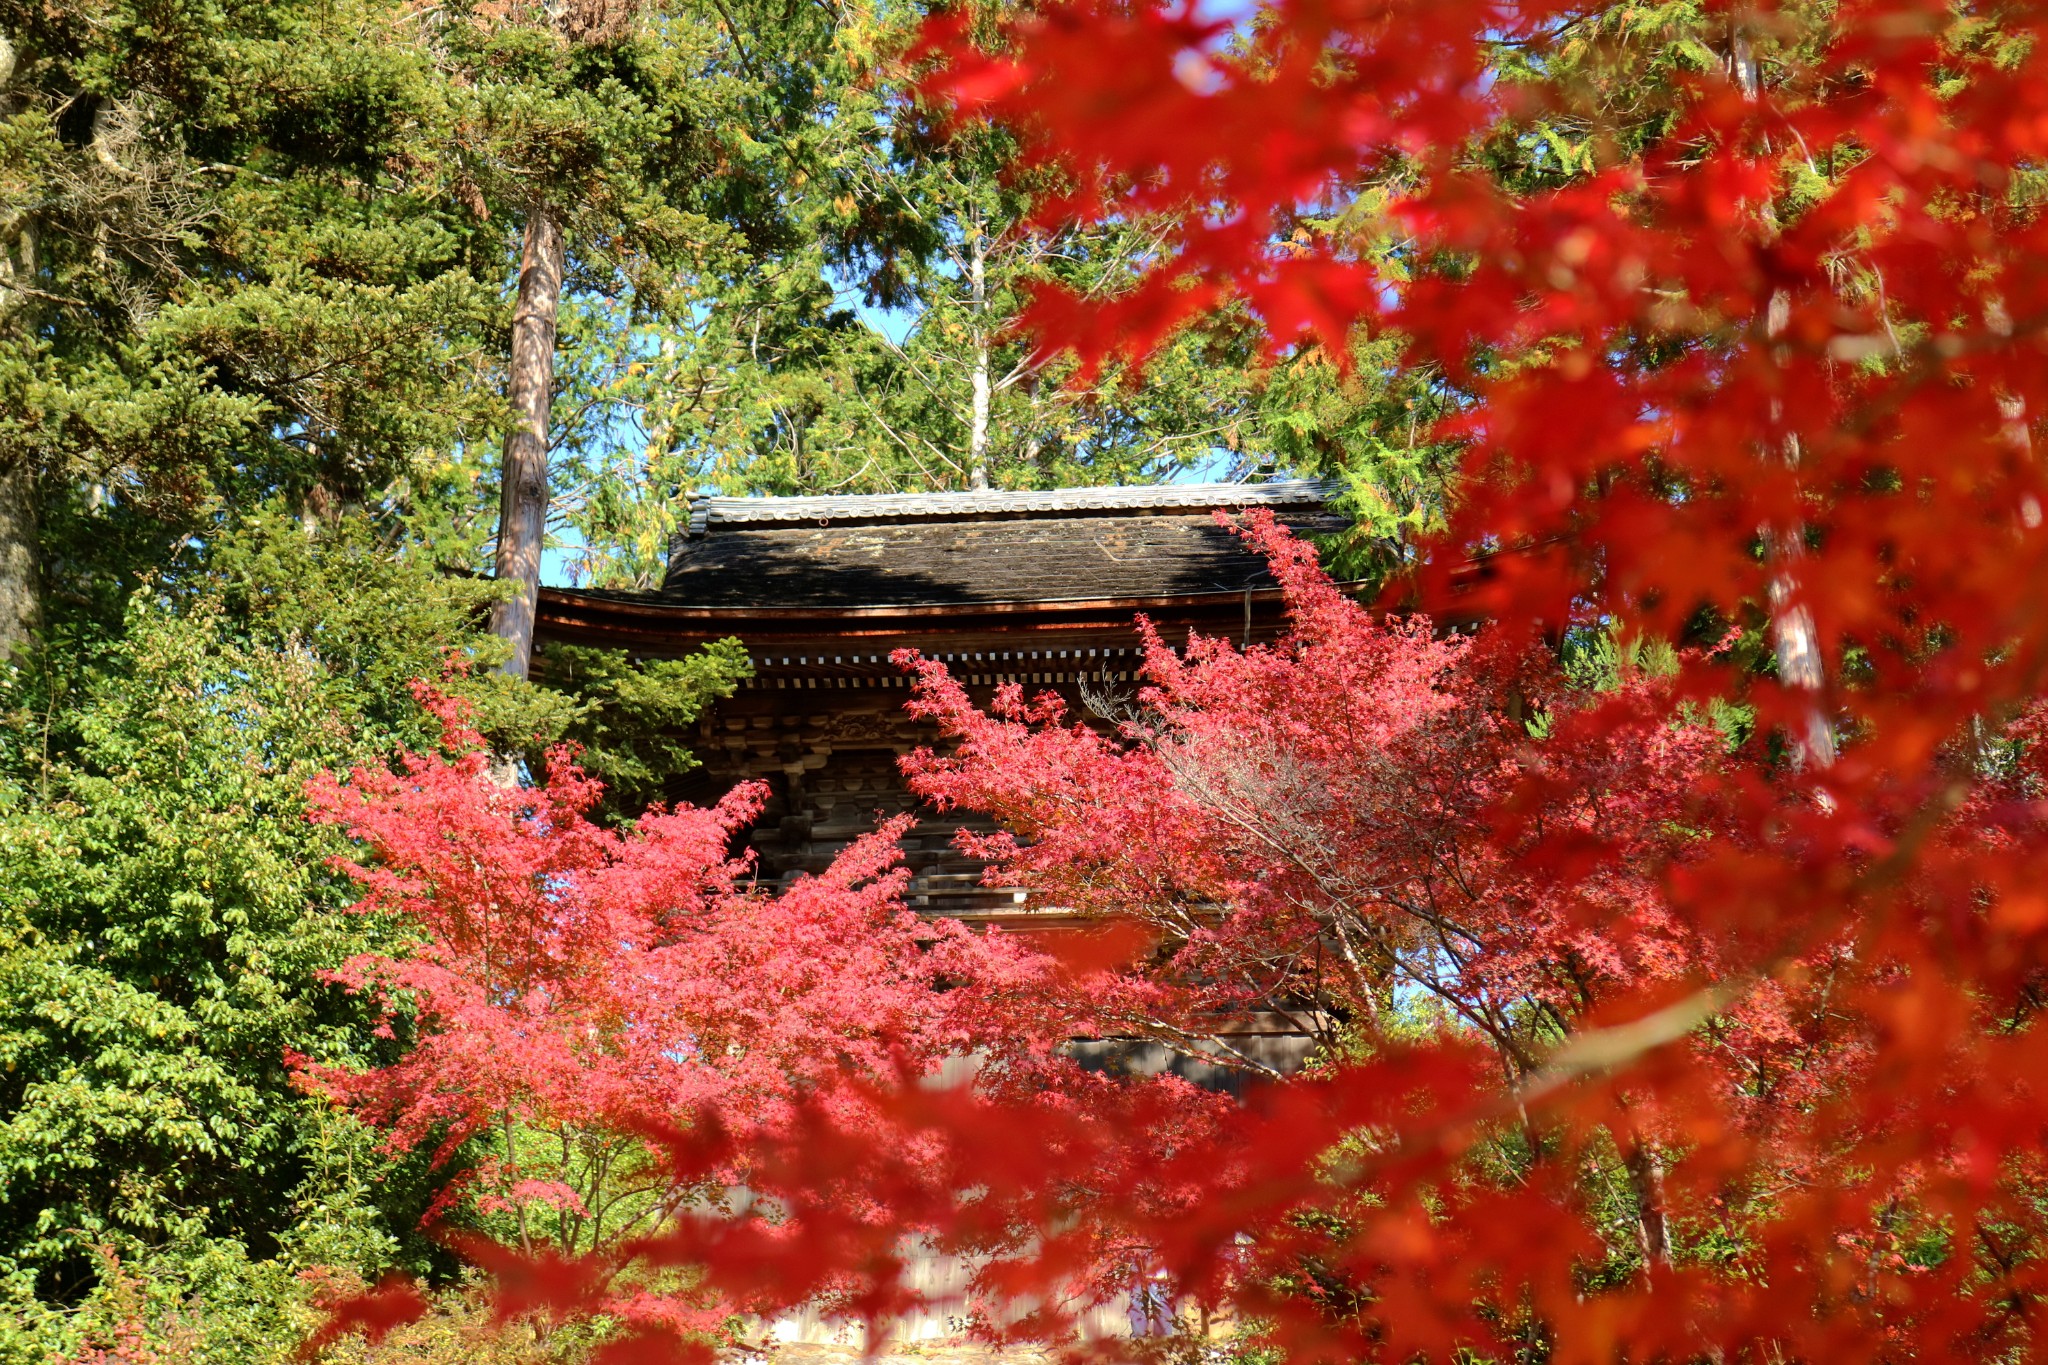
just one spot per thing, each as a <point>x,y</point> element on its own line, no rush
<point>860,355</point>
<point>640,147</point>
<point>230,274</point>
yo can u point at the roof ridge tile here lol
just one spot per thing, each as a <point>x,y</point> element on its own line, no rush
<point>854,508</point>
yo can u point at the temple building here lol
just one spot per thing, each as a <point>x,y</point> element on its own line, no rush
<point>1038,588</point>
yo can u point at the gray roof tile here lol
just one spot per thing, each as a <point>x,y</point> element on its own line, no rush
<point>967,549</point>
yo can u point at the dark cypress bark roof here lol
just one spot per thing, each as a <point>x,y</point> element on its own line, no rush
<point>973,549</point>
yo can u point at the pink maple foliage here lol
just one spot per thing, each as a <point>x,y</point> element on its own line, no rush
<point>1323,825</point>
<point>576,988</point>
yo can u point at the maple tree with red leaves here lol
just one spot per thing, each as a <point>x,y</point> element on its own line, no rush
<point>1319,830</point>
<point>1770,362</point>
<point>577,986</point>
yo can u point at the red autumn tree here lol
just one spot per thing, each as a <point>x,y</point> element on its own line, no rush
<point>1767,354</point>
<point>576,988</point>
<point>1319,829</point>
<point>1369,815</point>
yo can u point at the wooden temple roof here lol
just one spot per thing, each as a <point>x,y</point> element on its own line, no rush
<point>882,569</point>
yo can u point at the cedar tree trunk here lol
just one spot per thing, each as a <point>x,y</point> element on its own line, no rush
<point>523,511</point>
<point>21,580</point>
<point>977,422</point>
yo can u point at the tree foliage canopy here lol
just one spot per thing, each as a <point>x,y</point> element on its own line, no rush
<point>1735,318</point>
